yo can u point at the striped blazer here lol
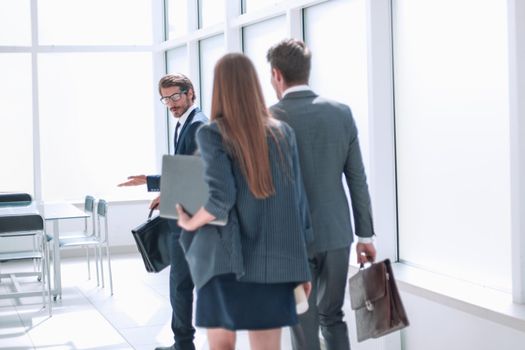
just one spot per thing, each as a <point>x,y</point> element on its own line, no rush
<point>265,239</point>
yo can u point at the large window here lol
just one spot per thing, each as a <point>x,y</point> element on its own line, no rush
<point>257,39</point>
<point>254,5</point>
<point>16,123</point>
<point>94,22</point>
<point>451,93</point>
<point>77,103</point>
<point>97,123</point>
<point>210,50</point>
<point>177,62</point>
<point>15,22</point>
<point>176,18</point>
<point>210,12</point>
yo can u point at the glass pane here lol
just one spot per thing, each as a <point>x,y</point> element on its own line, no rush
<point>451,90</point>
<point>340,71</point>
<point>210,51</point>
<point>177,18</point>
<point>95,22</point>
<point>15,22</point>
<point>177,60</point>
<point>257,39</point>
<point>16,123</point>
<point>254,5</point>
<point>97,126</point>
<point>210,12</point>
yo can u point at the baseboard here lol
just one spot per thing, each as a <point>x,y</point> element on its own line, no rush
<point>81,252</point>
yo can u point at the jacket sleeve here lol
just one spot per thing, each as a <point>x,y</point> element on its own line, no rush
<point>191,146</point>
<point>355,176</point>
<point>153,183</point>
<point>218,172</point>
<point>301,192</point>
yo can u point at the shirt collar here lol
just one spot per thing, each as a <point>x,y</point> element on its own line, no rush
<point>184,117</point>
<point>296,88</point>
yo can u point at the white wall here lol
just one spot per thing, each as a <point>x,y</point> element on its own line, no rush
<point>437,327</point>
<point>438,321</point>
<point>122,217</point>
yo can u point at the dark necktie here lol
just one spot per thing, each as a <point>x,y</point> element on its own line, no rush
<point>175,137</point>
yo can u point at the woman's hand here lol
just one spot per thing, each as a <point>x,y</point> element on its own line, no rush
<point>193,223</point>
<point>184,220</point>
<point>307,286</point>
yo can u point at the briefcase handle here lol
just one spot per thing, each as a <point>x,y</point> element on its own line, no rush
<point>150,213</point>
<point>362,265</point>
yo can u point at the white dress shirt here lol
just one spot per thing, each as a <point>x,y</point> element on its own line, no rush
<point>182,121</point>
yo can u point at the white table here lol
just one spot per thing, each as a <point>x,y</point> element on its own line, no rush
<point>56,211</point>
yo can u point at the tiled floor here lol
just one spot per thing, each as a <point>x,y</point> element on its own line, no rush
<point>137,316</point>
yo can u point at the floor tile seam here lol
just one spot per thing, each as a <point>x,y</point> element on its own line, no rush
<point>155,290</point>
<point>107,320</point>
<point>26,328</point>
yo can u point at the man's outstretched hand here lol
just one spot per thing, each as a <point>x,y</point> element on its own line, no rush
<point>134,180</point>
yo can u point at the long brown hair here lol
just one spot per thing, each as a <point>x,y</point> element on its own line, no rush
<point>239,109</point>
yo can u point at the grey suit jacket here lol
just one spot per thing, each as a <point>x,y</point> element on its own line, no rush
<point>328,148</point>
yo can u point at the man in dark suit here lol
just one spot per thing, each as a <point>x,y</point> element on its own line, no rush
<point>178,94</point>
<point>328,149</point>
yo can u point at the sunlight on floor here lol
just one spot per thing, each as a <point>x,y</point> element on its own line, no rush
<point>137,316</point>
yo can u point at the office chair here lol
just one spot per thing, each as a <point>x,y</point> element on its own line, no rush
<point>17,199</point>
<point>23,225</point>
<point>85,238</point>
<point>14,198</point>
<point>102,222</point>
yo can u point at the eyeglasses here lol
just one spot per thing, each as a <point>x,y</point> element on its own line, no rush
<point>174,98</point>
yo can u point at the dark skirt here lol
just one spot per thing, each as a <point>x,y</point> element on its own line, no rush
<point>224,302</point>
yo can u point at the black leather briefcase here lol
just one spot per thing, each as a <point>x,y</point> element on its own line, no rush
<point>152,239</point>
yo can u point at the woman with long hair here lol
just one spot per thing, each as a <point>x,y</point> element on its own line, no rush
<point>246,272</point>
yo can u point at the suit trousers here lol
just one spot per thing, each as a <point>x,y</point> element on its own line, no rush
<point>181,297</point>
<point>325,311</point>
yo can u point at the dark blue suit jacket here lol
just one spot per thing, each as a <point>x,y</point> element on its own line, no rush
<point>186,145</point>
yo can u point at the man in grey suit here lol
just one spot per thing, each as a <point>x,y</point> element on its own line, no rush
<point>328,148</point>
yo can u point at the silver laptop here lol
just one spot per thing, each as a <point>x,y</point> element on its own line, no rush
<point>182,181</point>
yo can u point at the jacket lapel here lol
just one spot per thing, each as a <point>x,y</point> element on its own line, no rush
<point>184,128</point>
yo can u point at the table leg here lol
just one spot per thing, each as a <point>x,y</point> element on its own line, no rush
<point>56,260</point>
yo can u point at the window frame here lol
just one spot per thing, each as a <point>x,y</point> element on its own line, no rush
<point>381,111</point>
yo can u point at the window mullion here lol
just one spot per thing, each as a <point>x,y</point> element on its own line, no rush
<point>37,168</point>
<point>516,11</point>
